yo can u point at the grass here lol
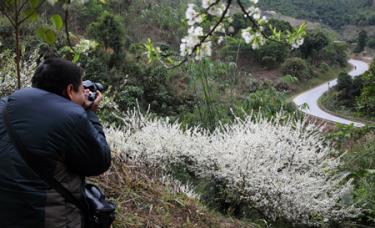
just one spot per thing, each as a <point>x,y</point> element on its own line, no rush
<point>143,200</point>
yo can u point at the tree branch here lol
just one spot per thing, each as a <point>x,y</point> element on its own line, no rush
<point>203,39</point>
<point>209,7</point>
<point>254,23</point>
<point>67,26</point>
<point>3,10</point>
<point>23,5</point>
<point>34,10</point>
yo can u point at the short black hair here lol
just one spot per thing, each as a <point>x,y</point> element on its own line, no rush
<point>55,74</point>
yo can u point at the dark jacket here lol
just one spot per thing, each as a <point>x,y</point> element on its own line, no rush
<point>65,141</point>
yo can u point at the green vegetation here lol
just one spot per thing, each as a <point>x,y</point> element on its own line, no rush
<point>353,98</point>
<point>366,100</point>
<point>359,160</point>
<point>361,42</point>
<point>335,13</point>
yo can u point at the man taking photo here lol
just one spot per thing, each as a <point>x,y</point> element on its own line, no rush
<point>64,138</point>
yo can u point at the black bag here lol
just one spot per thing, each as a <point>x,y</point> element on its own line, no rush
<point>97,211</point>
<point>101,212</point>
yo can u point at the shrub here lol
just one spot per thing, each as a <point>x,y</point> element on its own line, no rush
<point>281,168</point>
<point>324,67</point>
<point>268,61</point>
<point>314,41</point>
<point>8,78</point>
<point>344,81</point>
<point>127,98</point>
<point>296,67</point>
<point>366,100</point>
<point>272,54</point>
<point>268,102</point>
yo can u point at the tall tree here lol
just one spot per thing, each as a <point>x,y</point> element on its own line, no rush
<point>366,101</point>
<point>314,42</point>
<point>18,12</point>
<point>362,41</point>
<point>108,30</point>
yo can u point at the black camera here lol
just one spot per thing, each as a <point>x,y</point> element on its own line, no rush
<point>93,87</point>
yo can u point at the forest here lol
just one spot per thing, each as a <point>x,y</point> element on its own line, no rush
<point>198,105</point>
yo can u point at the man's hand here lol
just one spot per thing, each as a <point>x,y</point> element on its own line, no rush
<point>92,105</point>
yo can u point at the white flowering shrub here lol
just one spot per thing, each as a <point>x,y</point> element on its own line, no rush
<point>8,77</point>
<point>281,167</point>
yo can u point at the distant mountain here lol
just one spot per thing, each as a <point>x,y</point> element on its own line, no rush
<point>335,13</point>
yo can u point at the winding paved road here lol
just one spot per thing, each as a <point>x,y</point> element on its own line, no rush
<point>312,96</point>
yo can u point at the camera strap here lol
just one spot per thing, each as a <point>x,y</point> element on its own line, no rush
<point>49,179</point>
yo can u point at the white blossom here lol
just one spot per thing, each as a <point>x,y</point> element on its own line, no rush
<point>217,10</point>
<point>246,35</point>
<point>220,40</point>
<point>231,29</point>
<point>207,3</point>
<point>254,12</point>
<point>192,16</point>
<point>297,43</point>
<point>205,50</point>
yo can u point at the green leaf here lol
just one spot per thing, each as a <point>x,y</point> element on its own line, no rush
<point>47,35</point>
<point>34,3</point>
<point>57,22</point>
<point>76,57</point>
<point>289,79</point>
<point>50,37</point>
<point>40,33</point>
<point>32,14</point>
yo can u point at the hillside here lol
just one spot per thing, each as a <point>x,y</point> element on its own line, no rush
<point>213,141</point>
<point>146,199</point>
<point>335,13</point>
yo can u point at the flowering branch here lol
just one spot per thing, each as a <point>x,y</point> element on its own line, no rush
<point>196,43</point>
<point>213,29</point>
<point>256,26</point>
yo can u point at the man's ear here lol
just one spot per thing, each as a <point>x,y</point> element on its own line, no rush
<point>69,91</point>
